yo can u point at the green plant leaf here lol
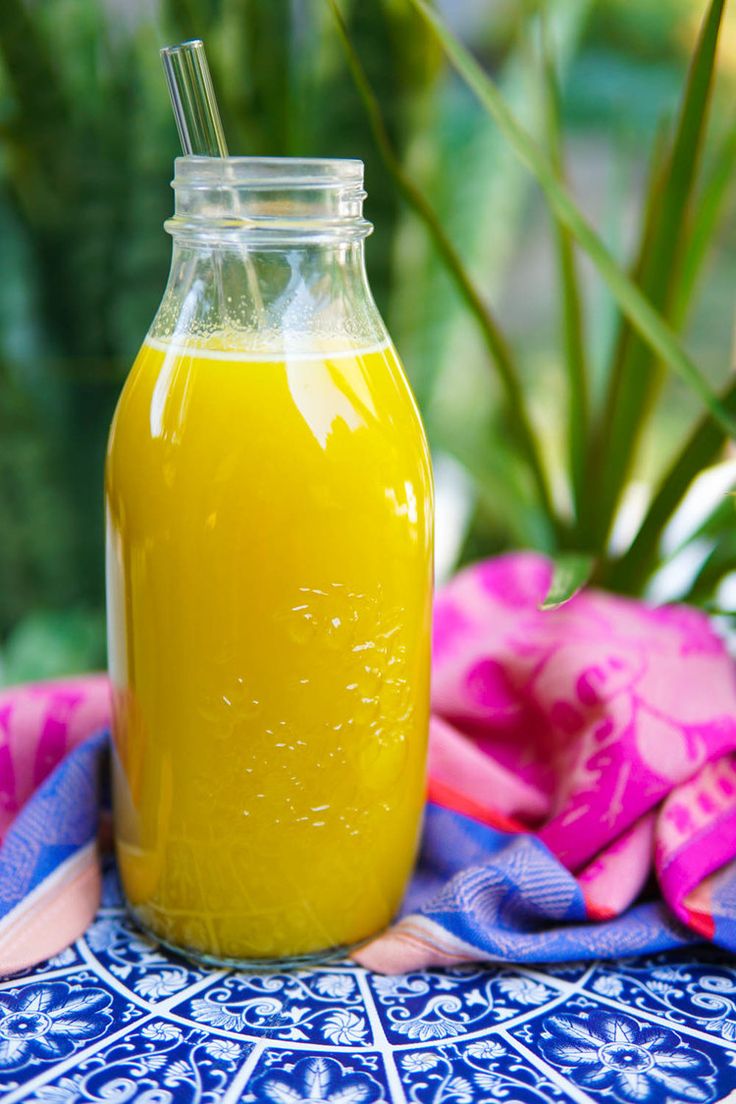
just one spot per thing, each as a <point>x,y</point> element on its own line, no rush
<point>481,193</point>
<point>637,373</point>
<point>496,342</point>
<point>589,525</point>
<point>644,317</point>
<point>502,486</point>
<point>572,315</point>
<point>41,108</point>
<point>720,562</point>
<point>571,572</point>
<point>701,448</point>
<point>705,218</point>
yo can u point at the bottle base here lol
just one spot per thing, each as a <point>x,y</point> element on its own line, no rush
<point>327,956</point>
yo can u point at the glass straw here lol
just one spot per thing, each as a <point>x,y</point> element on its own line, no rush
<point>193,100</point>
<point>200,130</point>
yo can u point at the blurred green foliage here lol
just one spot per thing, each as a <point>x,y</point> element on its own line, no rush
<point>86,149</point>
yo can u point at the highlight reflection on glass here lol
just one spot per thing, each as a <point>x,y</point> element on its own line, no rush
<point>270,551</point>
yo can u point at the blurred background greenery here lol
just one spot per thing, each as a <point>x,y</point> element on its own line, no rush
<point>86,148</point>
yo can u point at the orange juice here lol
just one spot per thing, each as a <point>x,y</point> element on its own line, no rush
<point>269,577</point>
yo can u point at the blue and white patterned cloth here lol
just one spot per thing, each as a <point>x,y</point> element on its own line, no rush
<point>117,1019</point>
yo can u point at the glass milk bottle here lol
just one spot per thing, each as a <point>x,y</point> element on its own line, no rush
<point>269,560</point>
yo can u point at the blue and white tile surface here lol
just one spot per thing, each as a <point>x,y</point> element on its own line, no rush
<point>117,1019</point>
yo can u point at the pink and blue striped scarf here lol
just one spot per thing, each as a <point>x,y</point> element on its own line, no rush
<point>582,786</point>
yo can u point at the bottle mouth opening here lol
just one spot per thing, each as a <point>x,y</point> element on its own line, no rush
<point>266,173</point>
<point>269,199</point>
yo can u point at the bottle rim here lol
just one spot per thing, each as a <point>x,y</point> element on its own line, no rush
<point>269,200</point>
<point>266,173</point>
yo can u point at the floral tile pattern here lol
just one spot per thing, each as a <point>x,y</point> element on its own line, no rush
<point>46,1022</point>
<point>701,994</point>
<point>613,1055</point>
<point>288,1077</point>
<point>316,1006</point>
<point>117,1019</point>
<point>155,1064</point>
<point>486,1069</point>
<point>445,1004</point>
<point>140,964</point>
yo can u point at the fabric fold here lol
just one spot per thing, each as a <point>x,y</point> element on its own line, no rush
<point>582,786</point>
<point>621,719</point>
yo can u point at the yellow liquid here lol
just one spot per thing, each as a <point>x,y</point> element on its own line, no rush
<point>269,593</point>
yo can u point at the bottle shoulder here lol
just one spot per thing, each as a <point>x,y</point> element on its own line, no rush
<point>183,393</point>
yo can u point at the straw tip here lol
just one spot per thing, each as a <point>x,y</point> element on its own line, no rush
<point>190,44</point>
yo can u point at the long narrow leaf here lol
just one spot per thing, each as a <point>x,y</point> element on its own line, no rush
<point>720,562</point>
<point>481,193</point>
<point>700,449</point>
<point>501,487</point>
<point>572,317</point>
<point>718,522</point>
<point>570,574</point>
<point>589,524</point>
<point>645,318</point>
<point>705,219</point>
<point>495,340</point>
<point>637,374</point>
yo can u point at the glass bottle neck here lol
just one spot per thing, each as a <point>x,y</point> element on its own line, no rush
<point>268,254</point>
<point>303,296</point>
<point>268,202</point>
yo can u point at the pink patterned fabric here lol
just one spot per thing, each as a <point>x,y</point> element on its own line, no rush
<point>607,728</point>
<point>39,724</point>
<point>599,739</point>
<point>49,867</point>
